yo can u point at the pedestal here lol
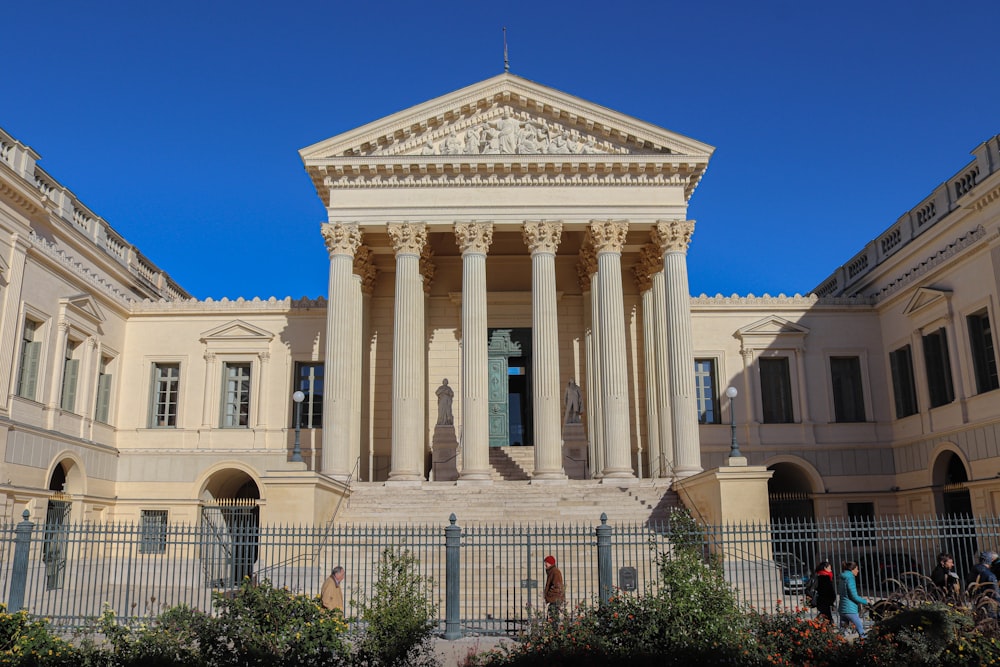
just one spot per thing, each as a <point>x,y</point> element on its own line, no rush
<point>444,460</point>
<point>574,451</point>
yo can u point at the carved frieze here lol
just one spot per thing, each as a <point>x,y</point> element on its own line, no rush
<point>408,238</point>
<point>608,235</point>
<point>542,236</point>
<point>341,239</point>
<point>503,131</point>
<point>474,237</point>
<point>673,235</point>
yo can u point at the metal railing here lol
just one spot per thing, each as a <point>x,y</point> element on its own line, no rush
<point>486,578</point>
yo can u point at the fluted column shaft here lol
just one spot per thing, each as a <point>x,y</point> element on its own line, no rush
<point>342,241</point>
<point>474,240</point>
<point>675,236</point>
<point>609,238</point>
<point>408,363</point>
<point>597,405</point>
<point>652,390</point>
<point>665,463</point>
<point>543,240</point>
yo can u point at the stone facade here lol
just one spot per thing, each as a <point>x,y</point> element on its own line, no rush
<point>503,207</point>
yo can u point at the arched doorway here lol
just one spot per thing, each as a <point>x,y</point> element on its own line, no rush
<point>230,513</point>
<point>951,495</point>
<point>789,493</point>
<point>55,540</point>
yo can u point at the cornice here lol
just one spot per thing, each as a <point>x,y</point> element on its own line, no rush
<point>18,198</point>
<point>796,300</point>
<point>927,265</point>
<point>68,262</point>
<point>210,305</point>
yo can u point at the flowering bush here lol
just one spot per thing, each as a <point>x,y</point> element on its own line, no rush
<point>791,638</point>
<point>30,642</point>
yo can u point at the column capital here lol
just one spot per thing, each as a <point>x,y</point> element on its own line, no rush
<point>427,268</point>
<point>408,238</point>
<point>341,238</point>
<point>364,266</point>
<point>650,263</point>
<point>474,237</point>
<point>608,235</point>
<point>542,236</point>
<point>673,235</point>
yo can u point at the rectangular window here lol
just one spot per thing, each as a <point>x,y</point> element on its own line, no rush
<point>31,352</point>
<point>848,394</point>
<point>984,361</point>
<point>153,524</point>
<point>938,366</point>
<point>903,387</point>
<point>71,374</point>
<point>776,390</point>
<point>166,385</point>
<point>236,400</point>
<point>309,380</point>
<point>104,377</point>
<point>707,391</point>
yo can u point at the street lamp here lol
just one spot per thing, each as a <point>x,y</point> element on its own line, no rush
<point>298,397</point>
<point>734,449</point>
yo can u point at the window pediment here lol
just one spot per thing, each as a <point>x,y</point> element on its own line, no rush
<point>773,331</point>
<point>84,306</point>
<point>924,298</point>
<point>236,330</point>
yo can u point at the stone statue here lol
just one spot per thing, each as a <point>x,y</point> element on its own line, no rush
<point>472,140</point>
<point>574,403</point>
<point>452,145</point>
<point>445,395</point>
<point>428,148</point>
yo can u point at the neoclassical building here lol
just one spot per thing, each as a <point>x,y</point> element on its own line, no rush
<point>508,271</point>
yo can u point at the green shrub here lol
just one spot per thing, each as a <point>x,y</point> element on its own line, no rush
<point>399,616</point>
<point>789,638</point>
<point>30,642</point>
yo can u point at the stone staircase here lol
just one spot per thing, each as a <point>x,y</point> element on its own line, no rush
<point>512,464</point>
<point>507,503</point>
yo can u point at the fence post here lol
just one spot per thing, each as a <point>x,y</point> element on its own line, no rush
<point>604,578</point>
<point>19,574</point>
<point>452,599</point>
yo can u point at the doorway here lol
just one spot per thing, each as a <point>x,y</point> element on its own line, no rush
<point>511,417</point>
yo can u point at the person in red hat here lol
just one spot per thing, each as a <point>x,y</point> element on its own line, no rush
<point>555,594</point>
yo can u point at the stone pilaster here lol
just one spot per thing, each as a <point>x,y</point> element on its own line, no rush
<point>342,242</point>
<point>211,385</point>
<point>13,322</point>
<point>58,367</point>
<point>674,237</point>
<point>644,271</point>
<point>474,241</point>
<point>408,355</point>
<point>543,238</point>
<point>609,238</point>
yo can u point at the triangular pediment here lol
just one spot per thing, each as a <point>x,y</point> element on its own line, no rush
<point>86,307</point>
<point>924,297</point>
<point>506,115</point>
<point>772,326</point>
<point>237,330</point>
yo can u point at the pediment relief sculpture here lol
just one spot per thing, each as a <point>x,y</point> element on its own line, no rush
<point>503,131</point>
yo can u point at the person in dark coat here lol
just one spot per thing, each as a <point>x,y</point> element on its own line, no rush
<point>826,591</point>
<point>982,583</point>
<point>554,592</point>
<point>944,576</point>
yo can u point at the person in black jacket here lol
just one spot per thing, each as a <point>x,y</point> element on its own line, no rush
<point>944,576</point>
<point>826,591</point>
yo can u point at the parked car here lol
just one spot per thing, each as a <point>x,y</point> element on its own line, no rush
<point>794,573</point>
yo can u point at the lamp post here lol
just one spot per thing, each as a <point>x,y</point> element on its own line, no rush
<point>734,448</point>
<point>298,397</point>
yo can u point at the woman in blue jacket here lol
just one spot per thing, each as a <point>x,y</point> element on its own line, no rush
<point>850,602</point>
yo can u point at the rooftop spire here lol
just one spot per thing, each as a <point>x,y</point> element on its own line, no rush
<point>506,62</point>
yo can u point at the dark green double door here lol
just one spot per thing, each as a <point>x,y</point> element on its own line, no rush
<point>509,387</point>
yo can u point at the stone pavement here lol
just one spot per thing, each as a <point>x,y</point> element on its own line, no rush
<point>456,653</point>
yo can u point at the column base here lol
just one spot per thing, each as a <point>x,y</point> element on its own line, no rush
<point>476,477</point>
<point>619,479</point>
<point>687,471</point>
<point>405,478</point>
<point>548,478</point>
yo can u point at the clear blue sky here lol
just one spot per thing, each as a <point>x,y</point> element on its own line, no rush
<point>179,122</point>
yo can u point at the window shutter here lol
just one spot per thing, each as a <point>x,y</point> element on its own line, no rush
<point>28,382</point>
<point>103,398</point>
<point>69,384</point>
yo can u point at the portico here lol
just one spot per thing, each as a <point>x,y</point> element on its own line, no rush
<point>508,204</point>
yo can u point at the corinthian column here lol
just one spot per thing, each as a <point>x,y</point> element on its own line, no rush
<point>588,258</point>
<point>674,237</point>
<point>342,241</point>
<point>408,355</point>
<point>609,238</point>
<point>665,463</point>
<point>542,238</point>
<point>644,271</point>
<point>474,241</point>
